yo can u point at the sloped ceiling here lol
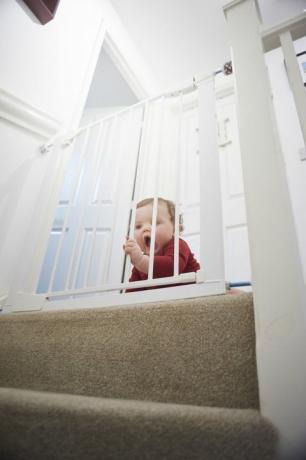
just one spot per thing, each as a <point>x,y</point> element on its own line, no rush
<point>176,38</point>
<point>108,88</point>
<point>182,38</point>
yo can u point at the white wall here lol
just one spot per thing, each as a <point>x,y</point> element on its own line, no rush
<point>45,66</point>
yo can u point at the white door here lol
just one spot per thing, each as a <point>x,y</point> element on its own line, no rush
<point>236,245</point>
<point>235,231</point>
<point>91,219</point>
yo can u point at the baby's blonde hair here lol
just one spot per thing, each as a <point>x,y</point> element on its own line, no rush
<point>170,206</point>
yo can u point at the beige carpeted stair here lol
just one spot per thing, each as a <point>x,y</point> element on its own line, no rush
<point>173,380</point>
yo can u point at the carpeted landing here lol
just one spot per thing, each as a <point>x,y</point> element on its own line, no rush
<point>171,380</point>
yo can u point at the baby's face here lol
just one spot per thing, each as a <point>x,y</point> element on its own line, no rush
<point>143,227</point>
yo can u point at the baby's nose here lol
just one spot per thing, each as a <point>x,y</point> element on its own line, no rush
<point>147,228</point>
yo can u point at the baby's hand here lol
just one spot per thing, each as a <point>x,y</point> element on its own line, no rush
<point>133,250</point>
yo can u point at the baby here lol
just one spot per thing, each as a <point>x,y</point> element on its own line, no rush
<point>139,248</point>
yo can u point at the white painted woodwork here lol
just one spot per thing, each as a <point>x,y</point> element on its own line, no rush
<point>279,292</point>
<point>295,78</point>
<point>271,35</point>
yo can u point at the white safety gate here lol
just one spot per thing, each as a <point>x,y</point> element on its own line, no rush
<point>150,149</point>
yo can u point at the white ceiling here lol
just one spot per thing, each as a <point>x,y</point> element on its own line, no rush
<point>176,39</point>
<point>181,38</point>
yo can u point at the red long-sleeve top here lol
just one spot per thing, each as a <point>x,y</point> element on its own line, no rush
<point>164,264</point>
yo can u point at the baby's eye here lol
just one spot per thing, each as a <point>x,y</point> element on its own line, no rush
<point>137,226</point>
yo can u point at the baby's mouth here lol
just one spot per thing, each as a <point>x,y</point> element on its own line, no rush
<point>147,242</point>
<point>147,245</point>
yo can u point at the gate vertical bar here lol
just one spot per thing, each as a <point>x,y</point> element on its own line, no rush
<point>126,131</point>
<point>178,189</point>
<point>144,130</point>
<point>155,203</point>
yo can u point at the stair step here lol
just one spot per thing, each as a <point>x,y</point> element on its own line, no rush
<point>196,351</point>
<point>41,425</point>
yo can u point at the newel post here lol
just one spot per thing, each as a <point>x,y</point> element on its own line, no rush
<point>279,290</point>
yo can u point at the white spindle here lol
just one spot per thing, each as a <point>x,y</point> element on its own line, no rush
<point>178,187</point>
<point>295,78</point>
<point>155,202</point>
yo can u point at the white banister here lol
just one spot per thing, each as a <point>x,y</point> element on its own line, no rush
<point>295,78</point>
<point>279,292</point>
